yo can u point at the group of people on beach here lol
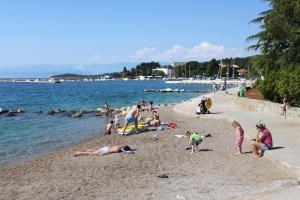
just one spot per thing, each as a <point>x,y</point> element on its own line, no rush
<point>133,116</point>
<point>221,88</point>
<point>262,142</point>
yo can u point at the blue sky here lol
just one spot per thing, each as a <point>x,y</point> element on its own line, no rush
<point>102,32</point>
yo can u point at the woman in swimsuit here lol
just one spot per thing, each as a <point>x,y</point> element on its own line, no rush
<point>155,121</point>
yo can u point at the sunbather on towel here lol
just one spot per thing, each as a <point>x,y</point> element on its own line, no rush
<point>104,150</point>
<point>155,121</point>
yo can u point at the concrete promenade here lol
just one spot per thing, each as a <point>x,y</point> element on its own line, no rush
<point>286,133</point>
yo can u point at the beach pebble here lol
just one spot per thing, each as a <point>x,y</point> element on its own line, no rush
<point>180,197</point>
<point>163,176</point>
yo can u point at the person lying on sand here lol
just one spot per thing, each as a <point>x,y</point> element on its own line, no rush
<point>105,150</point>
<point>195,139</point>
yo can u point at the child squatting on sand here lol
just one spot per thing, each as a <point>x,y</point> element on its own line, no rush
<point>194,140</point>
<point>239,132</point>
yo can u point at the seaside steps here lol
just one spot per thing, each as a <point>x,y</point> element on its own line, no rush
<point>286,133</point>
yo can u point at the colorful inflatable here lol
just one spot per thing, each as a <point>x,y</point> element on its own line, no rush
<point>130,129</point>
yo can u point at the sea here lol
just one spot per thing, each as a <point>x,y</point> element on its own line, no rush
<point>34,133</point>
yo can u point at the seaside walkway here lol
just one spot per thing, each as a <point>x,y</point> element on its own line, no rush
<point>285,133</point>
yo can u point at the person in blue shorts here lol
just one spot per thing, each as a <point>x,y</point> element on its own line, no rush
<point>132,117</point>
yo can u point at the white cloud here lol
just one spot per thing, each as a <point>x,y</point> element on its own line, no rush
<point>206,51</point>
<point>144,52</point>
<point>201,52</point>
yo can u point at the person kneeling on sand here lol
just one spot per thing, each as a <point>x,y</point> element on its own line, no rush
<point>194,140</point>
<point>132,117</point>
<point>263,140</point>
<point>105,150</point>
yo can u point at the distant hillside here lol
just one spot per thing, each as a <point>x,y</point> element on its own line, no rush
<point>188,69</point>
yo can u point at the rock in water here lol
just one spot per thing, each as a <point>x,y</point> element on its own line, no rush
<point>3,111</point>
<point>77,115</point>
<point>11,114</point>
<point>21,110</point>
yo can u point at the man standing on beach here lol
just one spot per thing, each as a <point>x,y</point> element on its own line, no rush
<point>132,117</point>
<point>106,108</point>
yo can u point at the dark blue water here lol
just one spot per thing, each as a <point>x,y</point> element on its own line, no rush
<point>30,134</point>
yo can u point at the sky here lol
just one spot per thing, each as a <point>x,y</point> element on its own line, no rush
<point>102,32</point>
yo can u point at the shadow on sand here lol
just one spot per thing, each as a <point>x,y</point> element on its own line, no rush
<point>205,150</point>
<point>275,148</point>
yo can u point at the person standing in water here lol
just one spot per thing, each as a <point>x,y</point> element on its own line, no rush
<point>106,108</point>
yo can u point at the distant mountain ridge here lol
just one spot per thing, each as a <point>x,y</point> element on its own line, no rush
<point>47,70</point>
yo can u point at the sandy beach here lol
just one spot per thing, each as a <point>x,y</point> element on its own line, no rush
<point>213,173</point>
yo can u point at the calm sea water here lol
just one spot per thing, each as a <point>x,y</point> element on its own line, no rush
<point>30,134</point>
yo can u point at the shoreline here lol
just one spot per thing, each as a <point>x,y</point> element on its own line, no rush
<point>90,138</point>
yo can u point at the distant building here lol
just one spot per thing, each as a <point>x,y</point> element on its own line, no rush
<point>175,64</point>
<point>168,71</point>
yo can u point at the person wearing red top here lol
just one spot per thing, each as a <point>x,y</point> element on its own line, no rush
<point>262,142</point>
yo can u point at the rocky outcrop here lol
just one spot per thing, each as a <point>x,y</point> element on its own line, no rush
<point>3,111</point>
<point>55,110</point>
<point>21,110</point>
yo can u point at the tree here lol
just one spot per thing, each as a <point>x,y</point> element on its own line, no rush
<point>279,43</point>
<point>159,73</point>
<point>125,73</point>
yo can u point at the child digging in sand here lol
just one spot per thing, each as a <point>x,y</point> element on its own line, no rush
<point>239,132</point>
<point>195,139</point>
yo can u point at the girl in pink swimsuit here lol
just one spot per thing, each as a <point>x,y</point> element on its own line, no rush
<point>239,132</point>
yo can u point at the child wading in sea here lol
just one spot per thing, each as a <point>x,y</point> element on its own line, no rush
<point>239,132</point>
<point>109,127</point>
<point>195,139</point>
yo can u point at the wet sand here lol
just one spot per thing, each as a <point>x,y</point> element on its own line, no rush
<point>213,173</point>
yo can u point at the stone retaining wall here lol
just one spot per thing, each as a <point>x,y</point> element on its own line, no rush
<point>267,107</point>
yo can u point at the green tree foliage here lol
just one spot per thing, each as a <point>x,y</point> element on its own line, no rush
<point>279,43</point>
<point>158,73</point>
<point>211,68</point>
<point>145,69</point>
<point>125,73</point>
